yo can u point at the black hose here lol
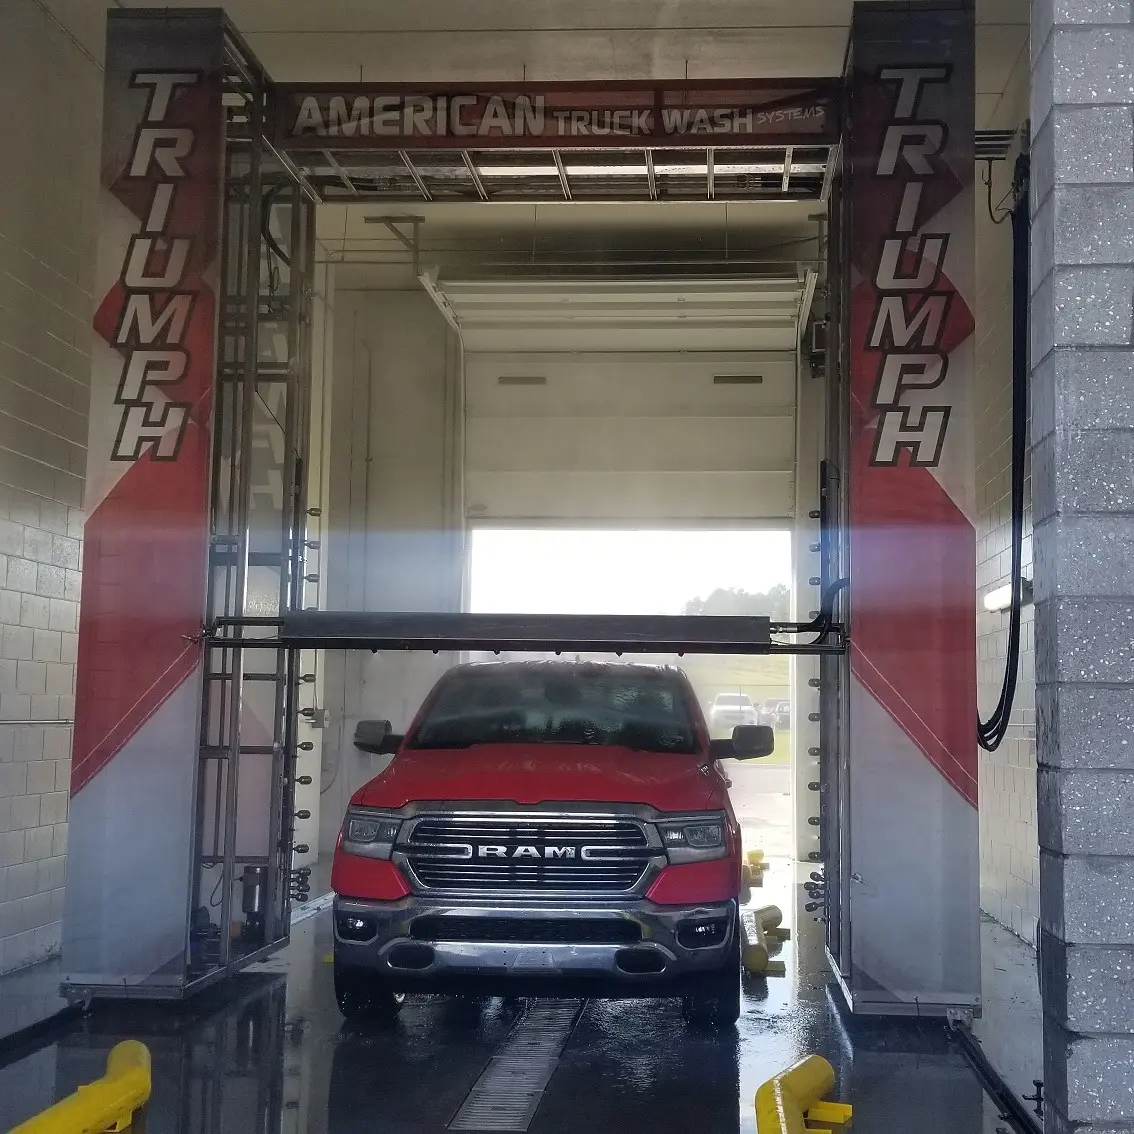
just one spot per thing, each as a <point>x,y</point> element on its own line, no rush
<point>990,733</point>
<point>826,616</point>
<point>265,223</point>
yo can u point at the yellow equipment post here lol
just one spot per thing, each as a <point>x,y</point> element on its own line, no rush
<point>107,1104</point>
<point>792,1102</point>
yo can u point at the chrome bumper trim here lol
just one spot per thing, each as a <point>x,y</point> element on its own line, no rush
<point>658,926</point>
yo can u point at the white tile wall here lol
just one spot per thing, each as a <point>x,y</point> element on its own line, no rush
<point>1009,855</point>
<point>51,87</point>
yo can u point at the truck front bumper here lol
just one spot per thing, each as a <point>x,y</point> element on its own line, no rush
<point>632,949</point>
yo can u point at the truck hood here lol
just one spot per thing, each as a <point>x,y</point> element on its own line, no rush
<point>545,773</point>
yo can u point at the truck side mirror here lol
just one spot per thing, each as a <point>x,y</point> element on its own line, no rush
<point>751,742</point>
<point>376,738</point>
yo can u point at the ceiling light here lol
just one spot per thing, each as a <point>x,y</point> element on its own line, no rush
<point>606,170</point>
<point>695,169</point>
<point>518,171</point>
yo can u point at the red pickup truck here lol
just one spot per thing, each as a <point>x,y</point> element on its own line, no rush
<point>545,829</point>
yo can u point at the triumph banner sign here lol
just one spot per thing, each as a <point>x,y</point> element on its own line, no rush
<point>138,683</point>
<point>553,115</point>
<point>912,759</point>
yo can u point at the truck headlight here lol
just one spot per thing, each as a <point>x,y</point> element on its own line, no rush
<point>370,833</point>
<point>694,838</point>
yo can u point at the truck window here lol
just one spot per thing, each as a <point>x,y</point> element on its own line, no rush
<point>644,711</point>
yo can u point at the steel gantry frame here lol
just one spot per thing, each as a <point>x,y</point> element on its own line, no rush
<point>285,149</point>
<point>253,647</point>
<point>252,637</point>
<point>256,544</point>
<point>238,881</point>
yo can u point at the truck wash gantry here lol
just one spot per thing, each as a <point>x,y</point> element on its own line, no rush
<point>183,696</point>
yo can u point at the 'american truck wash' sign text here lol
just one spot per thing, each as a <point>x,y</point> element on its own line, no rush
<point>552,115</point>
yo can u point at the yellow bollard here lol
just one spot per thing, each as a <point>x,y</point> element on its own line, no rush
<point>757,867</point>
<point>745,884</point>
<point>792,1102</point>
<point>754,948</point>
<point>770,918</point>
<point>761,937</point>
<point>107,1104</point>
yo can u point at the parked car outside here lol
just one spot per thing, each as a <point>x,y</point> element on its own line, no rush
<point>731,709</point>
<point>780,715</point>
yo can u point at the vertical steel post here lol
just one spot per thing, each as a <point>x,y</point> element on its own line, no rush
<point>241,515</point>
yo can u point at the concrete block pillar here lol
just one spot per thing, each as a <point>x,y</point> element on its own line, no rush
<point>1082,360</point>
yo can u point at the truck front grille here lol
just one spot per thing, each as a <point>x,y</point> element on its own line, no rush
<point>526,853</point>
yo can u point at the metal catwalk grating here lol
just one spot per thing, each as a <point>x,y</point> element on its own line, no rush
<point>506,1095</point>
<point>547,175</point>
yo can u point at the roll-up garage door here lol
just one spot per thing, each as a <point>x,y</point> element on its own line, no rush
<point>659,425</point>
<point>634,437</point>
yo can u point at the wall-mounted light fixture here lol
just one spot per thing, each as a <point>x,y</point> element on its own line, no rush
<point>1001,598</point>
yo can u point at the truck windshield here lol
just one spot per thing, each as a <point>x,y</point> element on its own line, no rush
<point>532,705</point>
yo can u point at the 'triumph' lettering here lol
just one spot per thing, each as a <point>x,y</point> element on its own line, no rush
<point>910,336</point>
<point>151,339</point>
<point>460,116</point>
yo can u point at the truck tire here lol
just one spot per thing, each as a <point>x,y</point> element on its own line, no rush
<point>363,996</point>
<point>718,1006</point>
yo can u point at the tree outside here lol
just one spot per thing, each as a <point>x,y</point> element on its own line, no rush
<point>730,601</point>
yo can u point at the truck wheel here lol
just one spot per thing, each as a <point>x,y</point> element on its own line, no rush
<point>363,996</point>
<point>719,1005</point>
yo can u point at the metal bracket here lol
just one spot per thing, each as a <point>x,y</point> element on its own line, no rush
<point>959,1017</point>
<point>412,242</point>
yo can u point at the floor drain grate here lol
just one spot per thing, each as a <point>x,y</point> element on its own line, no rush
<point>508,1091</point>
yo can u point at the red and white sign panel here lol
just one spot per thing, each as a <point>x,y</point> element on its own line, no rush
<point>554,115</point>
<point>137,711</point>
<point>913,751</point>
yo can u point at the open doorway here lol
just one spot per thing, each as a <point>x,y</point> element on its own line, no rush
<point>543,570</point>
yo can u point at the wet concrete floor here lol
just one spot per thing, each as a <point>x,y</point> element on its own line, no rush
<point>270,1052</point>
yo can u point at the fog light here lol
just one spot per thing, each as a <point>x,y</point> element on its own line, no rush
<point>353,928</point>
<point>701,934</point>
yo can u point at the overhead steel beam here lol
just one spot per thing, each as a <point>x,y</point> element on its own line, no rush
<point>584,633</point>
<point>562,169</point>
<point>412,243</point>
<point>341,173</point>
<point>834,155</point>
<point>418,180</point>
<point>474,173</point>
<point>651,173</point>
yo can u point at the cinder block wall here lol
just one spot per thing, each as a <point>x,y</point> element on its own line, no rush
<point>1009,855</point>
<point>51,85</point>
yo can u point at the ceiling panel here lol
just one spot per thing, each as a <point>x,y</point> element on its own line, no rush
<point>433,40</point>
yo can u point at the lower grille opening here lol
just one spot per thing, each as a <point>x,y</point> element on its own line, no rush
<point>534,931</point>
<point>639,961</point>
<point>410,957</point>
